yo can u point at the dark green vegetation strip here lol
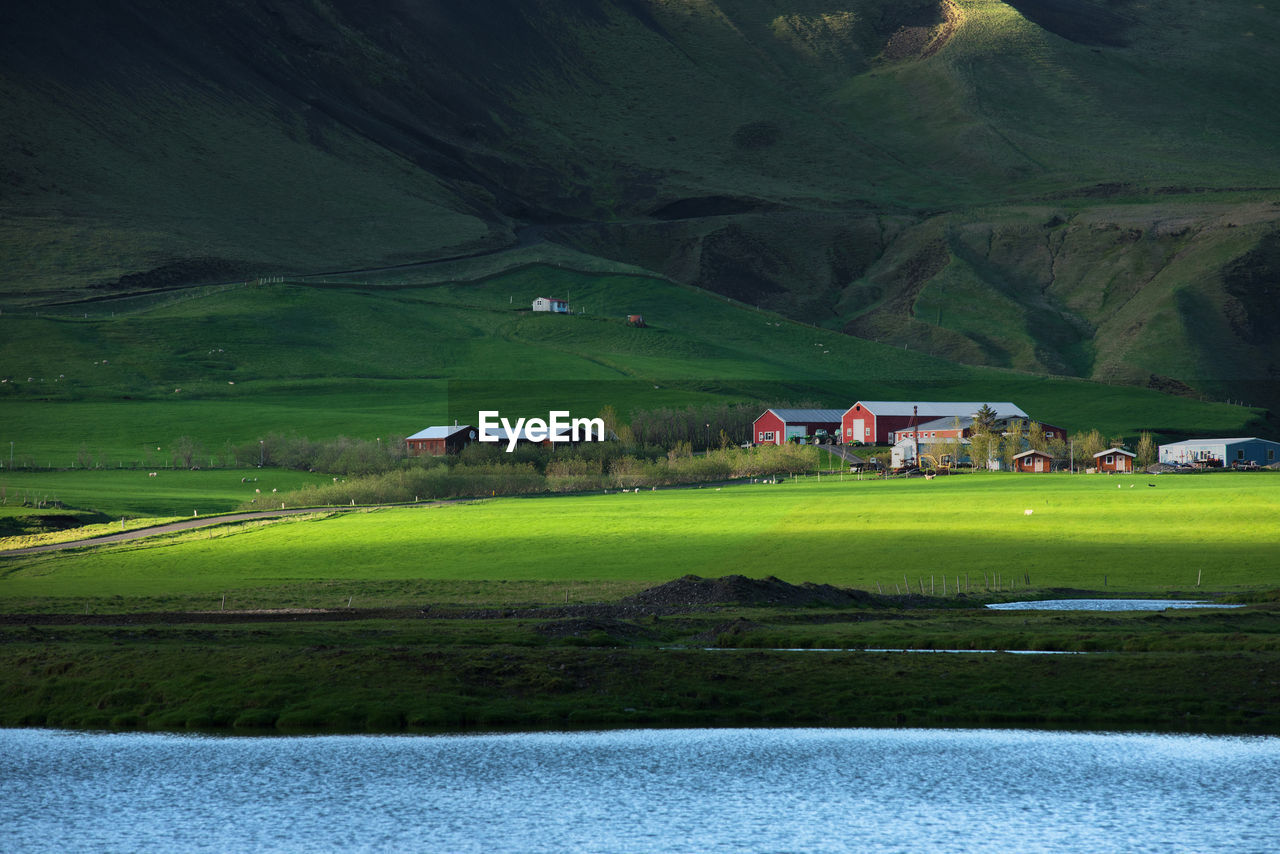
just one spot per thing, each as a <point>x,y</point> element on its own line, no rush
<point>1213,671</point>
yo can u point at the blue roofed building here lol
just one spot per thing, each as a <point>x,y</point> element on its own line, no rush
<point>1221,452</point>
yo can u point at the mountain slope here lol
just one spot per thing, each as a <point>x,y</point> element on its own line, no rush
<point>1055,185</point>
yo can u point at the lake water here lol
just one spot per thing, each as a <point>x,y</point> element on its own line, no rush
<point>781,790</point>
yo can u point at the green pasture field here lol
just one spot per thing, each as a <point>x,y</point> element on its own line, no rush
<point>134,493</point>
<point>319,360</point>
<point>1112,533</point>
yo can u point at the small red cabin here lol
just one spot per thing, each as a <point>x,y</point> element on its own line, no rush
<point>1033,461</point>
<point>635,320</point>
<point>1114,460</point>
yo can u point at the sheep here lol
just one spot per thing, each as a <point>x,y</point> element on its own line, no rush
<point>152,474</point>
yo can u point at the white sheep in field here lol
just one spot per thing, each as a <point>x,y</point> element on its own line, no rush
<point>152,474</point>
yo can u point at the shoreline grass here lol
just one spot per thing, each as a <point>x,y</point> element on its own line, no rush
<point>390,678</point>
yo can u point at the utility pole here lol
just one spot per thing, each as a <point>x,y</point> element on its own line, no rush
<point>915,431</point>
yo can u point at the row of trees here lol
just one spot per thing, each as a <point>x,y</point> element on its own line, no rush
<point>650,437</point>
<point>437,479</point>
<point>705,426</point>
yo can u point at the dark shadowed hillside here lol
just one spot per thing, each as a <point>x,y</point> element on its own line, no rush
<point>1066,186</point>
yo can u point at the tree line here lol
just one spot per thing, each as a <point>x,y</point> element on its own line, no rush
<point>473,475</point>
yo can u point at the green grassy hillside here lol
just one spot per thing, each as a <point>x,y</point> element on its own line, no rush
<point>117,383</point>
<point>1061,186</point>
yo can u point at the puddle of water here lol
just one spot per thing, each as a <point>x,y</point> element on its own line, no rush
<point>1106,605</point>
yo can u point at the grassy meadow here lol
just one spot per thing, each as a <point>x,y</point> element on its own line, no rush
<point>222,366</point>
<point>1117,534</point>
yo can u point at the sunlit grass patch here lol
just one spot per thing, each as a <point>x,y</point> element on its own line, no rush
<point>1086,531</point>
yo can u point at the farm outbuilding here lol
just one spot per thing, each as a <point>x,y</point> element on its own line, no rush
<point>635,320</point>
<point>1114,460</point>
<point>944,452</point>
<point>1033,461</point>
<point>552,304</point>
<point>875,422</point>
<point>1221,452</point>
<point>777,426</point>
<point>439,441</point>
<point>961,427</point>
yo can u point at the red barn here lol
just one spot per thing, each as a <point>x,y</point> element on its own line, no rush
<point>872,422</point>
<point>439,441</point>
<point>776,426</point>
<point>1032,461</point>
<point>1114,460</point>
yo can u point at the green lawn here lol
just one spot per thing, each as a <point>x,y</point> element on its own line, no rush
<point>133,492</point>
<point>1084,532</point>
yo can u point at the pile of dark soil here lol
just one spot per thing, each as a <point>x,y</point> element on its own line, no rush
<point>692,590</point>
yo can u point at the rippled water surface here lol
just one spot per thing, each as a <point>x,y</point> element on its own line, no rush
<point>803,790</point>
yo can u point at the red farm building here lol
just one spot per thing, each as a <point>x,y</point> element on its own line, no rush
<point>1033,461</point>
<point>879,422</point>
<point>776,426</point>
<point>438,441</point>
<point>1114,460</point>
